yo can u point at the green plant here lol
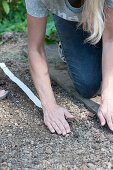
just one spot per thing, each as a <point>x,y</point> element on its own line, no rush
<point>5,6</point>
<point>51,33</point>
<point>1,42</point>
<point>13,18</point>
<point>24,58</point>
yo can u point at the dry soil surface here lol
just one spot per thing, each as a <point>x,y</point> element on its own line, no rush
<point>27,144</point>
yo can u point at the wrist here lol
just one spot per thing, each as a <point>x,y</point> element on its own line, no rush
<point>107,94</point>
<point>107,90</point>
<point>46,104</point>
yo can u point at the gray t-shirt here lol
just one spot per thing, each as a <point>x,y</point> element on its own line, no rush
<point>62,8</point>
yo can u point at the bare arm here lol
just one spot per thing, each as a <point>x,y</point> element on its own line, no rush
<point>37,59</point>
<point>105,112</point>
<point>53,113</point>
<point>107,58</point>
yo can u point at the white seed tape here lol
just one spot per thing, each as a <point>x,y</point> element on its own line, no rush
<point>26,90</point>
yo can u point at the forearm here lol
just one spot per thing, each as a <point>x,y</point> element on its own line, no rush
<point>40,75</point>
<point>107,57</point>
<point>107,68</point>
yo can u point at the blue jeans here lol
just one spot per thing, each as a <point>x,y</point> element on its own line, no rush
<point>84,61</point>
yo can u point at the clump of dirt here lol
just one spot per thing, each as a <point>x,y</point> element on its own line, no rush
<point>25,141</point>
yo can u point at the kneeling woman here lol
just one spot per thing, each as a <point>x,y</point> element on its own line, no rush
<point>88,50</point>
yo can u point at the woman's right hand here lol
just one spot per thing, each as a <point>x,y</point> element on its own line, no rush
<point>54,119</point>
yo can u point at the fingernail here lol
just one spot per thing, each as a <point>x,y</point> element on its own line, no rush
<point>53,131</point>
<point>102,123</point>
<point>64,133</point>
<point>73,116</point>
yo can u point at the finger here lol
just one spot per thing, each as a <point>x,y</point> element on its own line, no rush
<point>109,121</point>
<point>54,125</point>
<point>112,118</point>
<point>50,127</point>
<point>68,115</point>
<point>65,124</point>
<point>61,127</point>
<point>102,119</point>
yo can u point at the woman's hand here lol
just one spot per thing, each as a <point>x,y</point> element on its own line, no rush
<point>53,114</point>
<point>54,118</point>
<point>105,112</point>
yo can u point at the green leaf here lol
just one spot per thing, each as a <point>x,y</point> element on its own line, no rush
<point>5,6</point>
<point>24,58</point>
<point>1,42</point>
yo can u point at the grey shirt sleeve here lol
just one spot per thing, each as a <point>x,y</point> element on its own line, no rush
<point>109,3</point>
<point>36,8</point>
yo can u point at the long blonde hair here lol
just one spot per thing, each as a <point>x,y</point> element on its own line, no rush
<point>93,19</point>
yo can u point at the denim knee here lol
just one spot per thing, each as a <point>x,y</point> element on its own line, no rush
<point>87,89</point>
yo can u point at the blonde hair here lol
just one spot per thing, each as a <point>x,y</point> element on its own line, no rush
<point>93,19</point>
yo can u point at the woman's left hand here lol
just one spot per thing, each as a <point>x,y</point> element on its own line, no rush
<point>105,112</point>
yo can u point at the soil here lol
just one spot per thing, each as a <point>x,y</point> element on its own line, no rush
<point>25,141</point>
